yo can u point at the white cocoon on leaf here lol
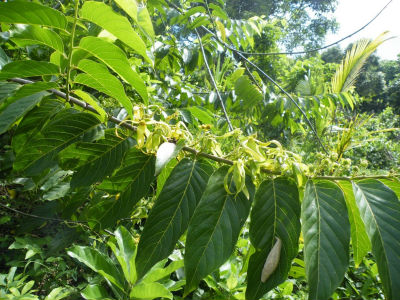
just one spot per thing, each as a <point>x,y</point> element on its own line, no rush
<point>272,260</point>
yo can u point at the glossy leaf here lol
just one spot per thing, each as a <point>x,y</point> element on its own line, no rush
<point>214,228</point>
<point>93,161</point>
<point>4,59</point>
<point>114,58</point>
<point>170,215</point>
<point>359,238</point>
<point>275,214</point>
<point>103,16</point>
<point>32,35</point>
<point>24,12</point>
<point>393,184</point>
<point>380,211</point>
<point>150,290</point>
<point>32,88</point>
<point>88,98</point>
<point>17,109</point>
<point>130,7</point>
<point>40,152</point>
<point>131,182</point>
<point>326,232</point>
<point>99,263</point>
<point>28,68</point>
<point>98,77</point>
<point>94,292</point>
<point>160,271</point>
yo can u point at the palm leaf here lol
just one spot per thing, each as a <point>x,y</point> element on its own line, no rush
<point>348,70</point>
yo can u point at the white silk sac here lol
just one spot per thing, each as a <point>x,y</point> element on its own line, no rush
<point>272,261</point>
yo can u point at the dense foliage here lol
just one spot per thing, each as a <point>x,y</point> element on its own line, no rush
<point>145,155</point>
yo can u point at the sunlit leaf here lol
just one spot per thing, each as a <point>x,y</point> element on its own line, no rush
<point>28,68</point>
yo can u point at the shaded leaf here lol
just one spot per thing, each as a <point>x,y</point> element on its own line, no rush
<point>380,210</point>
<point>170,215</point>
<point>214,227</point>
<point>246,91</point>
<point>28,68</point>
<point>275,214</point>
<point>17,109</point>
<point>326,232</point>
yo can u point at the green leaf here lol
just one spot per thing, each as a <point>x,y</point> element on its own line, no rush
<point>170,215</point>
<point>17,109</point>
<point>98,77</point>
<point>214,228</point>
<point>326,232</point>
<point>32,88</point>
<point>7,89</point>
<point>33,122</point>
<point>126,253</point>
<point>88,98</point>
<point>393,184</point>
<point>93,161</point>
<point>163,176</point>
<point>150,291</point>
<point>144,22</point>
<point>28,68</point>
<point>246,91</point>
<point>159,272</point>
<point>24,12</point>
<point>130,7</point>
<point>359,238</point>
<point>95,292</point>
<point>380,211</point>
<point>103,16</point>
<point>202,114</point>
<point>132,182</point>
<point>32,35</point>
<point>40,152</point>
<point>115,58</point>
<point>4,59</point>
<point>99,263</point>
<point>275,214</point>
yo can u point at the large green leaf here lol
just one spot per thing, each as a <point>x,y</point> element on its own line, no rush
<point>102,15</point>
<point>33,122</point>
<point>150,290</point>
<point>393,184</point>
<point>380,211</point>
<point>359,238</point>
<point>94,292</point>
<point>248,92</point>
<point>17,109</point>
<point>170,215</point>
<point>130,7</point>
<point>326,232</point>
<point>275,214</point>
<point>4,59</point>
<point>131,182</point>
<point>98,77</point>
<point>144,22</point>
<point>125,253</point>
<point>32,88</point>
<point>7,89</point>
<point>40,152</point>
<point>214,228</point>
<point>115,58</point>
<point>24,12</point>
<point>93,161</point>
<point>32,35</point>
<point>99,263</point>
<point>28,68</point>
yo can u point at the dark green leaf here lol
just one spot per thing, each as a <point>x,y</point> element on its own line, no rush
<point>24,12</point>
<point>98,77</point>
<point>17,109</point>
<point>28,68</point>
<point>32,35</point>
<point>114,58</point>
<point>33,88</point>
<point>40,152</point>
<point>4,59</point>
<point>170,216</point>
<point>380,210</point>
<point>96,160</point>
<point>132,182</point>
<point>102,15</point>
<point>359,238</point>
<point>214,228</point>
<point>275,214</point>
<point>326,232</point>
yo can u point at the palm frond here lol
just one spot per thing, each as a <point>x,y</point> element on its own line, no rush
<point>350,67</point>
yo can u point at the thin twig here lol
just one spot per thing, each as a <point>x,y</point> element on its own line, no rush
<point>213,82</point>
